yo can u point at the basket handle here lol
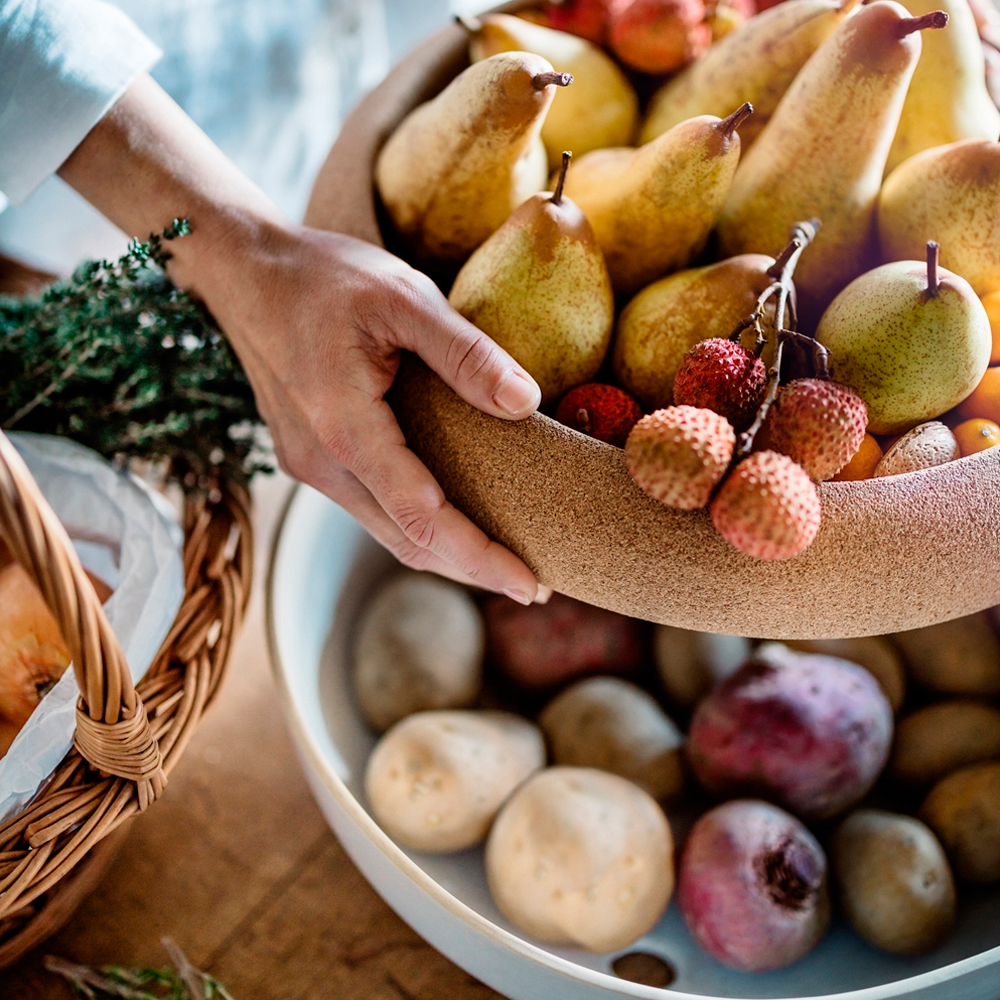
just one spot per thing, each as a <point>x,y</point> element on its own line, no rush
<point>112,731</point>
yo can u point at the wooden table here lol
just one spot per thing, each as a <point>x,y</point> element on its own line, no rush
<point>238,866</point>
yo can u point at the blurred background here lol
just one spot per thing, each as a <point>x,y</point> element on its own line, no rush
<point>269,81</point>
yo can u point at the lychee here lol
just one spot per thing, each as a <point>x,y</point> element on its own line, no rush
<point>678,455</point>
<point>818,423</point>
<point>602,411</point>
<point>767,507</point>
<point>723,376</point>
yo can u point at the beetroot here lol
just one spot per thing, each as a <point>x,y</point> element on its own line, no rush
<point>544,644</point>
<point>809,732</point>
<point>752,886</point>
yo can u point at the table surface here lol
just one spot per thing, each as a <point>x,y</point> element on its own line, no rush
<point>238,866</point>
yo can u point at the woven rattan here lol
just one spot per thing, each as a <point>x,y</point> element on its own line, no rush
<point>128,738</point>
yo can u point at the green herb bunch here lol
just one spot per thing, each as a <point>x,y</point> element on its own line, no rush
<point>121,360</point>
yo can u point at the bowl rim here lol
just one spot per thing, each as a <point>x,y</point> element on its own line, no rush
<point>475,921</point>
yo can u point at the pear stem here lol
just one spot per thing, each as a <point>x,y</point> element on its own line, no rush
<point>729,125</point>
<point>935,19</point>
<point>557,195</point>
<point>933,284</point>
<point>541,80</point>
<point>471,24</point>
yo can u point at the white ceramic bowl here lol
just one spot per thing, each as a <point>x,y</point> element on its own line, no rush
<point>323,569</point>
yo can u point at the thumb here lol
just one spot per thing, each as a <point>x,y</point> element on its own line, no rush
<point>476,367</point>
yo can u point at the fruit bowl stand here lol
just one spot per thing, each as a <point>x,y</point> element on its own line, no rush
<point>893,553</point>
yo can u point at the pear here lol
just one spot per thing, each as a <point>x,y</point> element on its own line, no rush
<point>664,321</point>
<point>653,208</point>
<point>953,194</point>
<point>539,287</point>
<point>754,63</point>
<point>457,166</point>
<point>947,99</point>
<point>912,339</point>
<point>824,150</point>
<point>600,109</point>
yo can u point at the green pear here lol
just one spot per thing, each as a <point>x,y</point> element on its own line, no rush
<point>912,339</point>
<point>457,166</point>
<point>757,63</point>
<point>947,99</point>
<point>953,194</point>
<point>664,321</point>
<point>539,287</point>
<point>600,109</point>
<point>824,150</point>
<point>653,208</point>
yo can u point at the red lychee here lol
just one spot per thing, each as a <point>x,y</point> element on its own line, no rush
<point>679,454</point>
<point>586,18</point>
<point>602,411</point>
<point>723,376</point>
<point>819,424</point>
<point>767,507</point>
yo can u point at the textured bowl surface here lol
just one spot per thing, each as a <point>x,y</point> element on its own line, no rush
<point>323,570</point>
<point>894,553</point>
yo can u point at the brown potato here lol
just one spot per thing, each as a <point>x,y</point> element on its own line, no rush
<point>956,657</point>
<point>896,887</point>
<point>936,740</point>
<point>691,663</point>
<point>875,653</point>
<point>964,811</point>
<point>612,725</point>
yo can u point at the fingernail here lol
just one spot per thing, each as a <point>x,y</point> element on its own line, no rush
<point>518,595</point>
<point>543,595</point>
<point>517,394</point>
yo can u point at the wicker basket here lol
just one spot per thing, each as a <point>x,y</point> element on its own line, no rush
<point>128,738</point>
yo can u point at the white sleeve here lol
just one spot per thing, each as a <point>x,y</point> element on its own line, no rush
<point>63,63</point>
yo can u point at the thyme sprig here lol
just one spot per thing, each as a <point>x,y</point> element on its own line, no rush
<point>119,359</point>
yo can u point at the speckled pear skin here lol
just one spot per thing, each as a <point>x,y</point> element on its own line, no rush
<point>910,355</point>
<point>950,194</point>
<point>538,286</point>
<point>456,168</point>
<point>823,154</point>
<point>947,100</point>
<point>892,554</point>
<point>755,63</point>
<point>653,208</point>
<point>666,319</point>
<point>601,107</point>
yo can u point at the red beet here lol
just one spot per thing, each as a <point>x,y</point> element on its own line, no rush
<point>807,731</point>
<point>752,886</point>
<point>541,645</point>
<point>602,411</point>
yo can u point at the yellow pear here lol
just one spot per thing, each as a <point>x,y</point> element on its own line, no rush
<point>824,150</point>
<point>539,287</point>
<point>653,208</point>
<point>600,109</point>
<point>950,194</point>
<point>664,321</point>
<point>757,62</point>
<point>457,166</point>
<point>947,99</point>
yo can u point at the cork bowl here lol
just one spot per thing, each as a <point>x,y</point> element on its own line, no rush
<point>892,554</point>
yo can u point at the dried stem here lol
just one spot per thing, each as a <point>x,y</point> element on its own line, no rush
<point>557,195</point>
<point>935,19</point>
<point>471,24</point>
<point>87,980</point>
<point>933,283</point>
<point>193,979</point>
<point>541,80</point>
<point>730,124</point>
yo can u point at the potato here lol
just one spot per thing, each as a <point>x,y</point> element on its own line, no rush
<point>896,887</point>
<point>941,738</point>
<point>875,653</point>
<point>956,657</point>
<point>436,780</point>
<point>33,655</point>
<point>690,663</point>
<point>611,724</point>
<point>420,646</point>
<point>581,857</point>
<point>964,811</point>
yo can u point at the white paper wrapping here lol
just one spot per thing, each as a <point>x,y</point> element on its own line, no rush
<point>128,536</point>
